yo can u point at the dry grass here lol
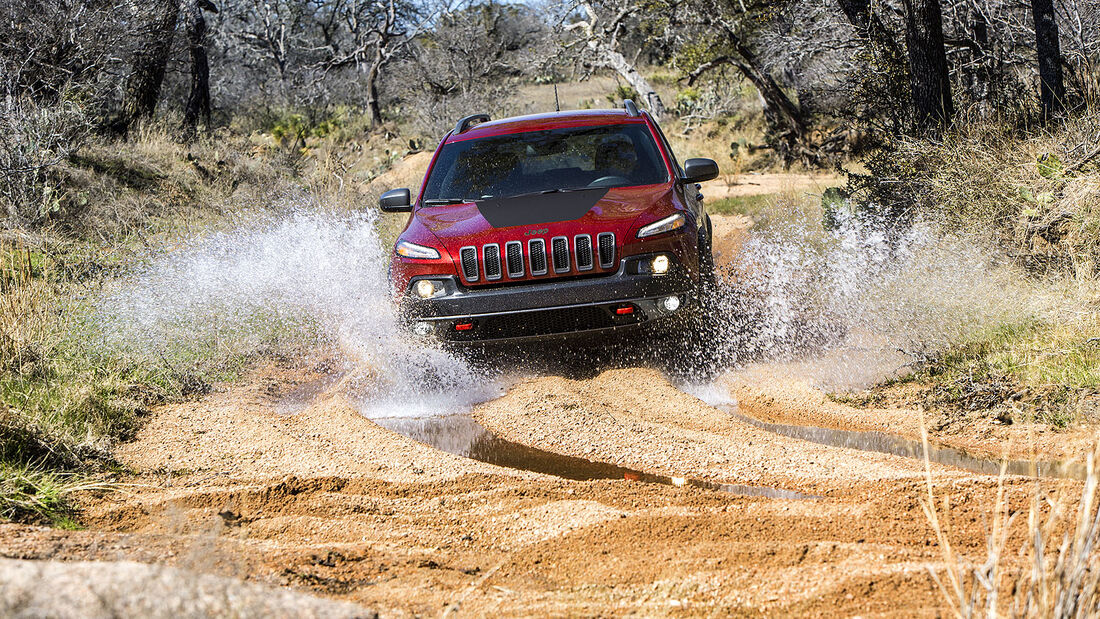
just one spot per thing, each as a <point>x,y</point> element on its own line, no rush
<point>1054,573</point>
<point>65,398</point>
<point>1039,193</point>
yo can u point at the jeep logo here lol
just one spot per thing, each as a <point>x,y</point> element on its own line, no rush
<point>538,231</point>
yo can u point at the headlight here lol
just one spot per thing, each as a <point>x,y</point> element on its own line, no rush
<point>429,288</point>
<point>659,265</point>
<point>412,250</point>
<point>668,224</point>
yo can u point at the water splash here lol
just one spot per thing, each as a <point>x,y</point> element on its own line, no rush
<point>853,305</point>
<point>308,279</point>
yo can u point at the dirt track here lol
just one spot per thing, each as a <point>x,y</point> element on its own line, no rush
<point>324,501</point>
<point>327,502</point>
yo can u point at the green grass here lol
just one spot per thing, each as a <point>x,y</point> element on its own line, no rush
<point>753,206</point>
<point>41,495</point>
<point>1045,372</point>
<point>1035,355</point>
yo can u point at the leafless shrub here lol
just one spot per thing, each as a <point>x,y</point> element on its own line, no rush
<point>49,48</point>
<point>34,139</point>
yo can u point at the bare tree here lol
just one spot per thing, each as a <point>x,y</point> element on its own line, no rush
<point>928,71</point>
<point>471,59</point>
<point>312,52</point>
<point>1052,88</point>
<point>366,35</point>
<point>198,101</point>
<point>601,38</point>
<point>719,34</point>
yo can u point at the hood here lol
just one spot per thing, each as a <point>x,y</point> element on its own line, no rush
<point>487,221</point>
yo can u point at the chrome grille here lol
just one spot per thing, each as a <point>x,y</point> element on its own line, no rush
<point>495,261</point>
<point>606,243</point>
<point>582,247</point>
<point>513,253</point>
<point>491,256</point>
<point>468,255</point>
<point>536,248</point>
<point>559,247</point>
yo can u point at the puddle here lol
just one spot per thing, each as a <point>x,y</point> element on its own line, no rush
<point>459,434</point>
<point>462,436</point>
<point>883,442</point>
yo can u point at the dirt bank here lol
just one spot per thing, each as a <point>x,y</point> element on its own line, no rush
<point>741,185</point>
<point>773,393</point>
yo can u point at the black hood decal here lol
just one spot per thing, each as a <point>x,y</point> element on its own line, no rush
<point>539,208</point>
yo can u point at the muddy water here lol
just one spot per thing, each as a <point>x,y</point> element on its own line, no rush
<point>882,442</point>
<point>461,435</point>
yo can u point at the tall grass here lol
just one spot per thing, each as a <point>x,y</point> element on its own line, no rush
<point>1036,192</point>
<point>1054,573</point>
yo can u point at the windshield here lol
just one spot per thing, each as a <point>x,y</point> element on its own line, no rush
<point>543,161</point>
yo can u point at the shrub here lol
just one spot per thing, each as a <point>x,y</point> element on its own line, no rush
<point>1038,194</point>
<point>34,141</point>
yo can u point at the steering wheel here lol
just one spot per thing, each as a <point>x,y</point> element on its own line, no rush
<point>606,181</point>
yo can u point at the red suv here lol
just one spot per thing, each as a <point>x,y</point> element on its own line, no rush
<point>551,225</point>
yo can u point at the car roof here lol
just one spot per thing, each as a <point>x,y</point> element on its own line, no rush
<point>550,120</point>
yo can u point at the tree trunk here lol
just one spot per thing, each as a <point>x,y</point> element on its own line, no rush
<point>928,76</point>
<point>147,74</point>
<point>788,131</point>
<point>198,102</point>
<point>374,106</point>
<point>1052,88</point>
<point>617,61</point>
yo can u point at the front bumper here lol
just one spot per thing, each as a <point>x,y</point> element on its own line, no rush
<point>551,308</point>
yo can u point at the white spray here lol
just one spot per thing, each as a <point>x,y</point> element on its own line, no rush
<point>308,278</point>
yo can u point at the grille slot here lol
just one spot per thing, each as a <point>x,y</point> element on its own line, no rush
<point>559,247</point>
<point>537,250</point>
<point>606,244</point>
<point>513,255</point>
<point>491,255</point>
<point>582,244</point>
<point>468,255</point>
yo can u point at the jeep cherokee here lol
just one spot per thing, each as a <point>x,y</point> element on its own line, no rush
<point>551,225</point>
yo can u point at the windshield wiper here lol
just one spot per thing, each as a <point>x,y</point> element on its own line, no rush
<point>441,201</point>
<point>566,190</point>
<point>539,193</point>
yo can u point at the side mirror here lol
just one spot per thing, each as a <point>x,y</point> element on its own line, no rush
<point>699,170</point>
<point>396,201</point>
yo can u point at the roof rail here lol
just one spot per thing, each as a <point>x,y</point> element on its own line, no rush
<point>631,108</point>
<point>465,123</point>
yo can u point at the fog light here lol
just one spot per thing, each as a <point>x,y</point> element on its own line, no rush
<point>671,303</point>
<point>660,265</point>
<point>422,328</point>
<point>425,288</point>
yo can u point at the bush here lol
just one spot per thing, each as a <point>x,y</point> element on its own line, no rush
<point>1037,194</point>
<point>34,140</point>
